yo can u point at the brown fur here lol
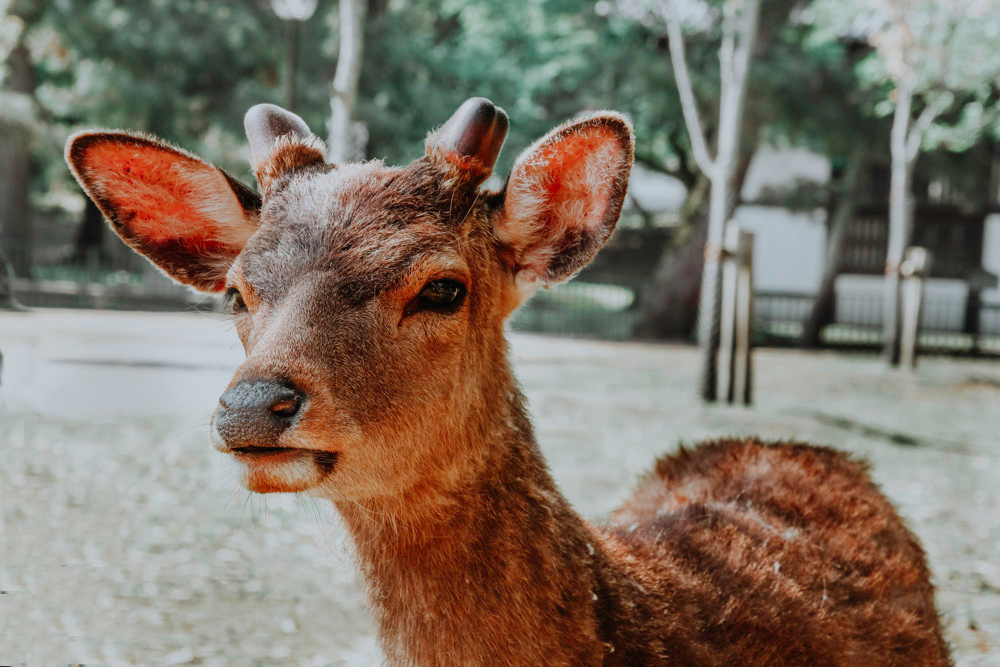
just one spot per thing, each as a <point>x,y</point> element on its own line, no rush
<point>286,158</point>
<point>736,552</point>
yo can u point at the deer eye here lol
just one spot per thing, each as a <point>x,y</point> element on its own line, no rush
<point>236,301</point>
<point>442,296</point>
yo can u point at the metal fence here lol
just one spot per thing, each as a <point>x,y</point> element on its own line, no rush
<point>118,279</point>
<point>779,316</point>
<point>579,308</point>
<point>610,312</point>
<point>584,309</point>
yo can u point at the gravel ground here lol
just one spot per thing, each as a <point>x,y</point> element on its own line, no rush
<point>124,543</point>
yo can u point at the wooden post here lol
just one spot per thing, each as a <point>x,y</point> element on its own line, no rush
<point>735,368</point>
<point>8,300</point>
<point>978,280</point>
<point>915,267</point>
<point>743,373</point>
<point>727,315</point>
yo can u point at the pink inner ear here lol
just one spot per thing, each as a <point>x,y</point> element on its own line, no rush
<point>580,170</point>
<point>162,196</point>
<point>563,198</point>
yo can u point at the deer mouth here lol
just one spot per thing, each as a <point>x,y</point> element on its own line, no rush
<point>261,452</point>
<point>324,460</point>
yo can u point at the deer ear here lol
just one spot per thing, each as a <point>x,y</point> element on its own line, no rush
<point>190,218</point>
<point>563,198</point>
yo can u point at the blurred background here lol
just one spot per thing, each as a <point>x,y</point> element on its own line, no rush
<point>811,167</point>
<point>836,135</point>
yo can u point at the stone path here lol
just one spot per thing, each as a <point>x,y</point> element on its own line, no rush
<point>124,542</point>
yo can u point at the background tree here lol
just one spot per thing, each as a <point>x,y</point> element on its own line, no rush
<point>670,302</point>
<point>930,57</point>
<point>738,24</point>
<point>17,127</point>
<point>346,140</point>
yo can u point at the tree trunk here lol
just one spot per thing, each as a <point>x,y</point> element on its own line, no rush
<point>900,221</point>
<point>15,169</point>
<point>839,213</point>
<point>292,30</point>
<point>670,302</point>
<point>734,65</point>
<point>88,246</point>
<point>343,146</point>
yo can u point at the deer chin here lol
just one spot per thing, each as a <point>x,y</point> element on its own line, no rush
<point>281,469</point>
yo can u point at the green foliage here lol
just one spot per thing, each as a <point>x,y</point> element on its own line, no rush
<point>543,61</point>
<point>810,93</point>
<point>187,70</point>
<point>944,50</point>
<point>180,69</point>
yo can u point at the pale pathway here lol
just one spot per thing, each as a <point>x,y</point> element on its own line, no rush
<point>123,542</point>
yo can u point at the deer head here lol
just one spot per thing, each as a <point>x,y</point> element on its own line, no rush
<point>370,299</point>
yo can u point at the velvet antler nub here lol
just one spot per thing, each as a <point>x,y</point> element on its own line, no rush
<point>472,138</point>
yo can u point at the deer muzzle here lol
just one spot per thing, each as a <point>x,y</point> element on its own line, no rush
<point>253,415</point>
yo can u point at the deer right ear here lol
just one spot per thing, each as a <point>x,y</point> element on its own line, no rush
<point>563,199</point>
<point>190,218</point>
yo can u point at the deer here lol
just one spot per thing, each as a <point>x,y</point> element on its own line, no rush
<point>371,301</point>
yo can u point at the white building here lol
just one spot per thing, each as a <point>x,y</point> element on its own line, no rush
<point>790,246</point>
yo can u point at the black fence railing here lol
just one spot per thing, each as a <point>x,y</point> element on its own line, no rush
<point>579,308</point>
<point>610,312</point>
<point>956,238</point>
<point>116,279</point>
<point>778,320</point>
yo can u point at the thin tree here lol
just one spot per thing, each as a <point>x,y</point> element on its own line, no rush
<point>669,302</point>
<point>344,144</point>
<point>900,44</point>
<point>932,54</point>
<point>739,31</point>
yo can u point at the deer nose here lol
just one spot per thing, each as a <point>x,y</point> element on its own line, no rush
<point>256,413</point>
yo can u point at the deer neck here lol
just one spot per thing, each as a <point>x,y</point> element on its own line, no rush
<point>459,574</point>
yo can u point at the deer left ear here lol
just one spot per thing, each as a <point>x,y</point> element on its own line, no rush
<point>563,198</point>
<point>190,218</point>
